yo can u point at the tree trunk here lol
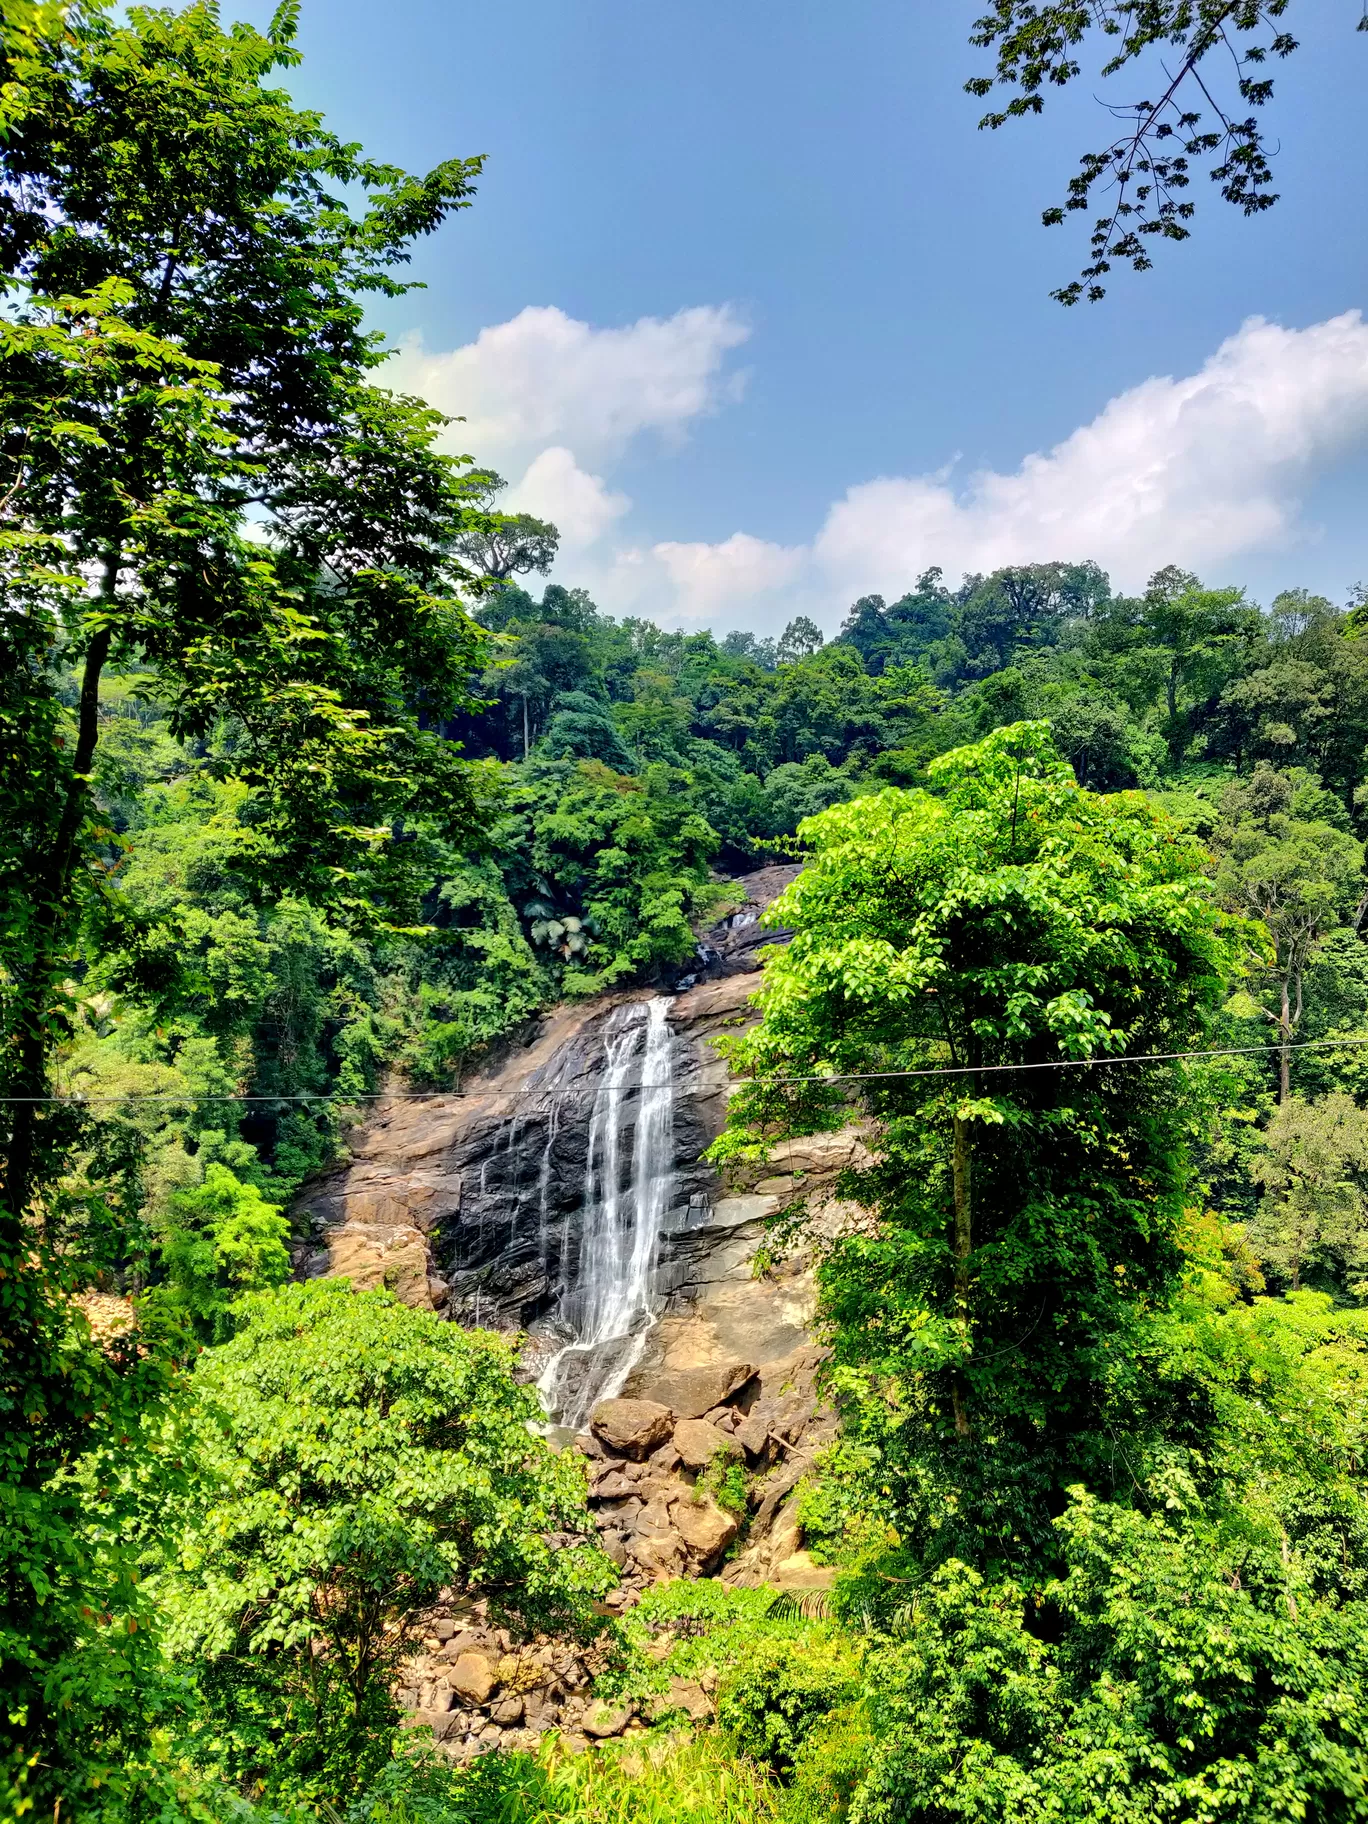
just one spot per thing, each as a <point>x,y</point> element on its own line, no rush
<point>1284,1046</point>
<point>964,1241</point>
<point>527,745</point>
<point>1176,743</point>
<point>52,904</point>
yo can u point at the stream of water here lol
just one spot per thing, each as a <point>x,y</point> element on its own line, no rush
<point>608,1305</point>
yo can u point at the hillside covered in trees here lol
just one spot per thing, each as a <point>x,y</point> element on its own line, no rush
<point>629,771</point>
<point>307,787</point>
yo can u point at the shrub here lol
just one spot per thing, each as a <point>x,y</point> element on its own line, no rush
<point>355,1458</point>
<point>771,1701</point>
<point>219,1240</point>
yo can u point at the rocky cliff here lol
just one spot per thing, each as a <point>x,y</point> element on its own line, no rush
<point>519,1204</point>
<point>473,1203</point>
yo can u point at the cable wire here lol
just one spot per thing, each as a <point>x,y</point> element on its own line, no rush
<point>847,1076</point>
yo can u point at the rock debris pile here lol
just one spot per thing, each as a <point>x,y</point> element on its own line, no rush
<point>673,1487</point>
<point>476,1690</point>
<point>654,1473</point>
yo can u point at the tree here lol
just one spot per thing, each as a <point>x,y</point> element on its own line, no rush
<point>866,629</point>
<point>505,544</point>
<point>1148,167</point>
<point>1312,1213</point>
<point>1300,879</point>
<point>354,1458</point>
<point>1025,1217</point>
<point>1024,605</point>
<point>1205,634</point>
<point>746,646</point>
<point>183,341</point>
<point>220,1241</point>
<point>188,339</point>
<point>627,857</point>
<point>799,640</point>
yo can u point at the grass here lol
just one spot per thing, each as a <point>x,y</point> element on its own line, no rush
<point>663,1779</point>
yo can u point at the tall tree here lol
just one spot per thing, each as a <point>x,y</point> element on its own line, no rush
<point>183,342</point>
<point>1205,635</point>
<point>1026,1215</point>
<point>799,640</point>
<point>188,295</point>
<point>503,545</point>
<point>1300,878</point>
<point>1310,1165</point>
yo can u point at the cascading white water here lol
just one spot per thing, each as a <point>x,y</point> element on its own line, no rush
<point>609,1306</point>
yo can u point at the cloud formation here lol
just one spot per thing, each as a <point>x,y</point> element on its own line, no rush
<point>1197,469</point>
<point>582,505</point>
<point>727,577</point>
<point>545,393</point>
<point>546,378</point>
<point>1193,471</point>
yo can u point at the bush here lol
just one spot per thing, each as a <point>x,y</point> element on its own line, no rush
<point>662,1779</point>
<point>726,1481</point>
<point>219,1240</point>
<point>770,1703</point>
<point>356,1457</point>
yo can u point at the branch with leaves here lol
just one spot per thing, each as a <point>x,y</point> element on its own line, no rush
<point>1205,110</point>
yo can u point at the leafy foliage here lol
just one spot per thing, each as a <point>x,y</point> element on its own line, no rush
<point>299,786</point>
<point>353,1458</point>
<point>1149,165</point>
<point>1025,1218</point>
<point>221,1239</point>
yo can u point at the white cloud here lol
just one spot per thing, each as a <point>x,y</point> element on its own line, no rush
<point>1199,469</point>
<point>546,378</point>
<point>580,505</point>
<point>709,580</point>
<point>1195,471</point>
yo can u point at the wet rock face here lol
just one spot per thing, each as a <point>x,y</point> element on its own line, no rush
<point>473,1204</point>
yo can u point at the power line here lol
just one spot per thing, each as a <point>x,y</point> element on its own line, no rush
<point>179,1099</point>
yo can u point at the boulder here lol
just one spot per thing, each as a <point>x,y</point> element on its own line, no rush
<point>393,1257</point>
<point>753,1436</point>
<point>704,1527</point>
<point>602,1720</point>
<point>780,1486</point>
<point>441,1722</point>
<point>791,1416</point>
<point>798,1572</point>
<point>507,1712</point>
<point>687,1695</point>
<point>621,1513</point>
<point>693,1391</point>
<point>632,1427</point>
<point>655,1516</point>
<point>611,1485</point>
<point>474,1678</point>
<point>659,1554</point>
<point>698,1442</point>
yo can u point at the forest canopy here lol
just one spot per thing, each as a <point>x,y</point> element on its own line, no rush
<point>306,789</point>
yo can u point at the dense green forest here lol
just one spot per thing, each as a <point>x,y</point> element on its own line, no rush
<point>305,785</point>
<point>629,772</point>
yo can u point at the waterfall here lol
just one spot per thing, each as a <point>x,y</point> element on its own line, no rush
<point>609,1305</point>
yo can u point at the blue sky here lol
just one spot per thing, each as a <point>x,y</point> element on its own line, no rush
<point>749,306</point>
